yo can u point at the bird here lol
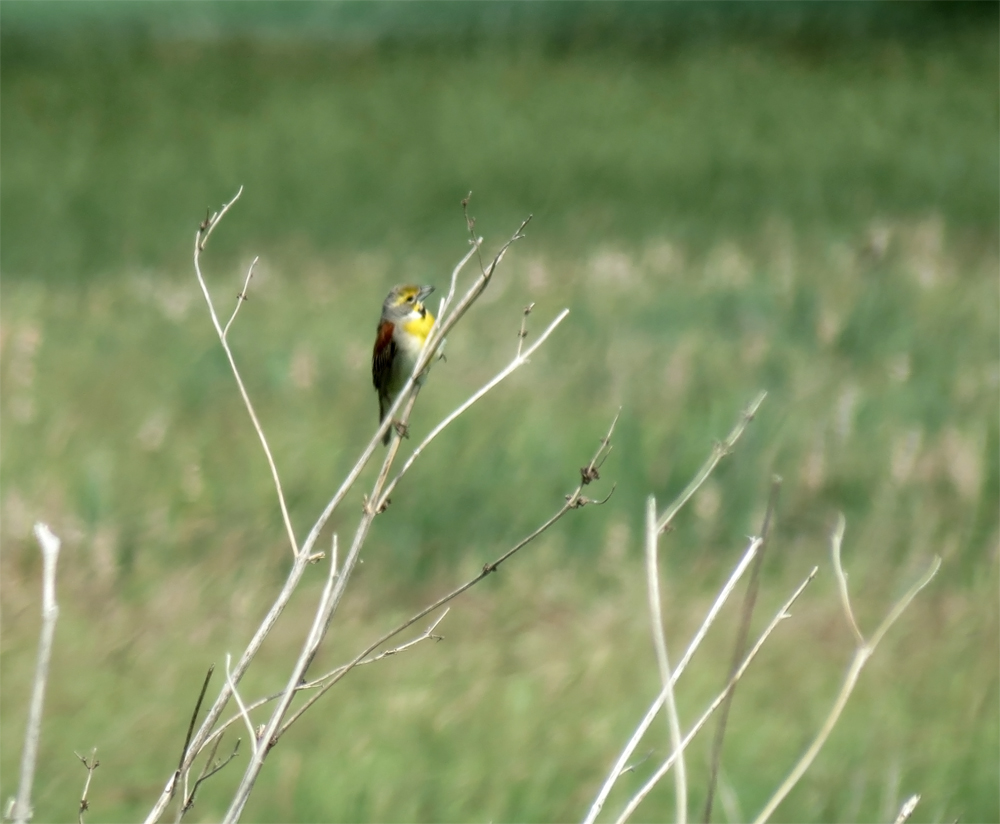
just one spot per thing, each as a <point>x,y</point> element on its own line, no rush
<point>401,336</point>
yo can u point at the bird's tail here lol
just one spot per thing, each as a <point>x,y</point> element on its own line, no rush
<point>383,404</point>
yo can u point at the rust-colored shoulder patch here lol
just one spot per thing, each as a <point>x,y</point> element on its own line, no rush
<point>385,349</point>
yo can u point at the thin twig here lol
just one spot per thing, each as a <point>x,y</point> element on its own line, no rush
<point>573,501</point>
<point>427,634</point>
<point>303,555</point>
<point>49,543</point>
<point>476,244</point>
<point>521,335</point>
<point>781,615</point>
<point>619,768</point>
<point>660,644</point>
<point>836,539</point>
<point>671,511</point>
<point>91,765</point>
<point>863,652</point>
<point>429,352</point>
<point>194,718</point>
<point>207,773</point>
<point>519,360</point>
<point>201,237</point>
<point>746,613</point>
<point>719,451</point>
<point>242,297</point>
<point>470,223</point>
<point>201,737</point>
<point>243,710</point>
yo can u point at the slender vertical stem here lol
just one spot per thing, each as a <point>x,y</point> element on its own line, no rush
<point>49,543</point>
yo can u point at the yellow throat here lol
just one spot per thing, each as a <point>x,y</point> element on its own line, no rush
<point>420,327</point>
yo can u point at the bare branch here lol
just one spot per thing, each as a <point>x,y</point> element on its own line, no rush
<point>210,768</point>
<point>199,244</point>
<point>430,349</point>
<point>427,634</point>
<point>239,703</point>
<point>518,361</point>
<point>619,767</point>
<point>781,615</point>
<point>719,451</point>
<point>242,297</point>
<point>746,613</point>
<point>91,765</point>
<point>863,652</point>
<point>573,501</point>
<point>907,809</point>
<point>194,718</point>
<point>21,810</point>
<point>660,644</point>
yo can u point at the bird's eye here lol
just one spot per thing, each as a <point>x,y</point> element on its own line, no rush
<point>410,299</point>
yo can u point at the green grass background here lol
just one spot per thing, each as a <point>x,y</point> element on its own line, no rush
<point>800,198</point>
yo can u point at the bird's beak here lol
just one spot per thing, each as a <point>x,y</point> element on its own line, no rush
<point>424,292</point>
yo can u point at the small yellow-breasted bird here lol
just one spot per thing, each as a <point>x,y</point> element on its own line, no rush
<point>402,333</point>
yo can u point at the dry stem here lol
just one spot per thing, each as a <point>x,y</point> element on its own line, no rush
<point>91,765</point>
<point>746,613</point>
<point>863,652</point>
<point>718,452</point>
<point>21,809</point>
<point>652,782</point>
<point>660,644</point>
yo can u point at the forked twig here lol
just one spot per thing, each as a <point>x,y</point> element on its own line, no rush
<point>575,500</point>
<point>303,557</point>
<point>209,768</point>
<point>718,452</point>
<point>427,634</point>
<point>201,238</point>
<point>861,655</point>
<point>90,765</point>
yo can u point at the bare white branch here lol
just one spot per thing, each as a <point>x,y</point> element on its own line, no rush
<point>862,654</point>
<point>519,360</point>
<point>21,810</point>
<point>660,645</point>
<point>781,615</point>
<point>200,239</point>
<point>620,765</point>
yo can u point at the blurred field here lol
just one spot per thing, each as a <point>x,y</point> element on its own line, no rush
<point>779,198</point>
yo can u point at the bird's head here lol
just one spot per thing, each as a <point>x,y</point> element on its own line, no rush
<point>405,302</point>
